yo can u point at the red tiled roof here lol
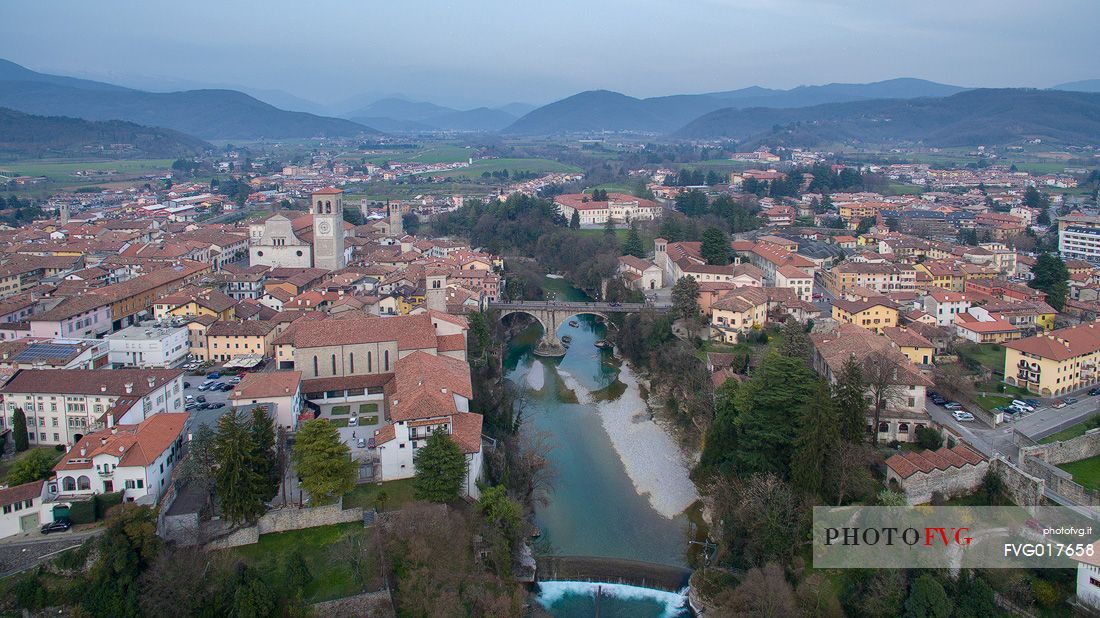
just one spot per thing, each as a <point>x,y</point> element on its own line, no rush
<point>907,464</point>
<point>134,445</point>
<point>267,384</point>
<point>20,493</point>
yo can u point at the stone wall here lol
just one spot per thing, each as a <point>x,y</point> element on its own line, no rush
<point>1081,447</point>
<point>1026,489</point>
<point>951,482</point>
<point>279,520</point>
<point>1060,482</point>
<point>366,604</point>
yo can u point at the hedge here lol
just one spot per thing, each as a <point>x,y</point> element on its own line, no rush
<point>82,512</point>
<point>106,501</point>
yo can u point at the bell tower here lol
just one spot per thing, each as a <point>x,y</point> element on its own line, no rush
<point>396,221</point>
<point>327,206</point>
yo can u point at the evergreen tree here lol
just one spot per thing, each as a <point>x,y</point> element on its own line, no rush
<point>796,343</point>
<point>575,220</point>
<point>927,599</point>
<point>766,427</point>
<point>440,469</point>
<point>685,298</point>
<point>253,598</point>
<point>671,229</point>
<point>633,244</point>
<point>19,430</point>
<point>239,487</point>
<point>263,461</point>
<point>609,228</point>
<point>295,572</point>
<point>1051,276</point>
<point>851,405</point>
<point>720,445</point>
<point>323,461</point>
<point>715,248</point>
<point>818,436</point>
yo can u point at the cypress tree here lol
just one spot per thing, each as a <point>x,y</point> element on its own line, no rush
<point>818,435</point>
<point>851,406</point>
<point>19,430</point>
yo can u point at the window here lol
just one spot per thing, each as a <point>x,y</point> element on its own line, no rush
<point>315,372</point>
<point>141,483</point>
<point>68,484</point>
<point>351,362</point>
<point>333,364</point>
<point>83,483</point>
<point>370,362</point>
<point>386,360</point>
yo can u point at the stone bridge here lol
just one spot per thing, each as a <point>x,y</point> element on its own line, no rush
<point>552,313</point>
<point>612,571</point>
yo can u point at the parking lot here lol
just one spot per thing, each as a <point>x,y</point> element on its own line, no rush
<point>203,416</point>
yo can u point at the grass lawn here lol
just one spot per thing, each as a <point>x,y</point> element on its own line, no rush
<point>988,402</point>
<point>1085,472</point>
<point>1000,387</point>
<point>368,408</point>
<point>369,420</point>
<point>6,465</point>
<point>399,493</point>
<point>989,355</point>
<point>340,410</point>
<point>332,576</point>
<point>1072,431</point>
<point>62,170</point>
<point>338,422</point>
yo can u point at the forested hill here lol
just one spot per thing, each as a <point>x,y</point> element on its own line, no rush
<point>210,114</point>
<point>984,116</point>
<point>26,135</point>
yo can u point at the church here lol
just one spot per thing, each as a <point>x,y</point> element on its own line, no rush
<point>315,240</point>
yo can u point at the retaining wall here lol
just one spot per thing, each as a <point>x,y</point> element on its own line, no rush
<point>280,520</point>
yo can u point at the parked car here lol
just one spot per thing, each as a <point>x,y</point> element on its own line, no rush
<point>1058,404</point>
<point>213,376</point>
<point>205,386</point>
<point>370,442</point>
<point>187,385</point>
<point>932,393</point>
<point>225,388</point>
<point>1035,403</point>
<point>362,443</point>
<point>191,406</point>
<point>57,526</point>
<point>353,421</point>
<point>1023,405</point>
<point>1071,400</point>
<point>962,415</point>
<point>939,401</point>
<point>200,398</point>
<point>953,405</point>
<point>1094,392</point>
<point>217,405</point>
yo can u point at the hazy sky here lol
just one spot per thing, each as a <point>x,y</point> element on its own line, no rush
<point>494,51</point>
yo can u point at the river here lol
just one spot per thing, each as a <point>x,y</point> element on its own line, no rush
<point>621,486</point>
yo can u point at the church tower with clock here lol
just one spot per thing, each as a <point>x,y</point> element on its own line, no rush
<point>328,228</point>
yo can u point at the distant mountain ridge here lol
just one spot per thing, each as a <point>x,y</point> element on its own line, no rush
<point>973,117</point>
<point>396,114</point>
<point>604,110</point>
<point>27,135</point>
<point>210,114</point>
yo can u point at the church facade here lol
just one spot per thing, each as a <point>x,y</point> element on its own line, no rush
<point>278,244</point>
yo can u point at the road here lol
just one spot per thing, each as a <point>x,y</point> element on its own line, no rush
<point>29,549</point>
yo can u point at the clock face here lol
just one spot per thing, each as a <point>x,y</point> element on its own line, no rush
<point>323,227</point>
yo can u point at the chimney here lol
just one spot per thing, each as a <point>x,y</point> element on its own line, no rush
<point>152,381</point>
<point>102,441</point>
<point>114,430</point>
<point>103,388</point>
<point>129,387</point>
<point>83,451</point>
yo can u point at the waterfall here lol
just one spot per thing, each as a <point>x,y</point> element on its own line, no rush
<point>668,604</point>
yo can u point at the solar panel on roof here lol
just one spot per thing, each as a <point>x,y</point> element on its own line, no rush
<point>42,351</point>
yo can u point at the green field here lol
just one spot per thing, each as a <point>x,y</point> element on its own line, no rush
<point>990,355</point>
<point>538,166</point>
<point>322,549</point>
<point>398,493</point>
<point>1072,431</point>
<point>1086,472</point>
<point>62,170</point>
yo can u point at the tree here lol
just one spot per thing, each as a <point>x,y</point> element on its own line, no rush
<point>633,244</point>
<point>880,372</point>
<point>253,598</point>
<point>263,460</point>
<point>200,463</point>
<point>440,469</point>
<point>37,465</point>
<point>295,572</point>
<point>1051,276</point>
<point>796,343</point>
<point>126,548</point>
<point>670,228</point>
<point>685,298</point>
<point>575,220</point>
<point>766,428</point>
<point>380,500</point>
<point>929,438</point>
<point>609,228</point>
<point>323,461</point>
<point>817,439</point>
<point>720,446</point>
<point>19,430</point>
<point>763,593</point>
<point>239,487</point>
<point>715,249</point>
<point>927,599</point>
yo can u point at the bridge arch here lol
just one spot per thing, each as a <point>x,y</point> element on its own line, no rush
<point>550,314</point>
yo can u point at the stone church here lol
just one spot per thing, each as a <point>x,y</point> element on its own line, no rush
<point>311,241</point>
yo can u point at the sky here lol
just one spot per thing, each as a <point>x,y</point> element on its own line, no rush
<point>344,53</point>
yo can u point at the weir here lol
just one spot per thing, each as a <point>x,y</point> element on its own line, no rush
<point>613,571</point>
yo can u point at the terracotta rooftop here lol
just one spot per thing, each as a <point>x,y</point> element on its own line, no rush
<point>267,384</point>
<point>906,464</point>
<point>1061,344</point>
<point>134,445</point>
<point>110,382</point>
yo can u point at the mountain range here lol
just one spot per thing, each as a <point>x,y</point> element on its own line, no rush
<point>209,114</point>
<point>972,117</point>
<point>603,110</point>
<point>25,135</point>
<point>397,115</point>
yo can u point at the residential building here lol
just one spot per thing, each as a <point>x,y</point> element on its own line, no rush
<point>1055,363</point>
<point>739,311</point>
<point>915,347</point>
<point>279,391</point>
<point>148,345</point>
<point>944,305</point>
<point>882,278</point>
<point>20,507</point>
<point>228,340</point>
<point>63,405</point>
<point>951,472</point>
<point>619,207</point>
<point>797,279</point>
<point>873,313</point>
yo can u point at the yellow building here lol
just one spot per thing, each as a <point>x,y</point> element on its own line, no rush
<point>946,276</point>
<point>738,311</point>
<point>873,314</point>
<point>194,303</point>
<point>228,340</point>
<point>1055,363</point>
<point>1046,320</point>
<point>916,348</point>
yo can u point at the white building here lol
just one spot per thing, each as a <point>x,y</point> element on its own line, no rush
<point>619,207</point>
<point>280,390</point>
<point>1077,242</point>
<point>148,345</point>
<point>19,508</point>
<point>63,405</point>
<point>797,279</point>
<point>134,459</point>
<point>427,394</point>
<point>944,305</point>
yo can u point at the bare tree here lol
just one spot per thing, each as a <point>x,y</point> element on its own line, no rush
<point>763,593</point>
<point>954,381</point>
<point>282,457</point>
<point>533,473</point>
<point>849,469</point>
<point>880,374</point>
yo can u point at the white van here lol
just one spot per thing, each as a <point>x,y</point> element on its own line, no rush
<point>1022,405</point>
